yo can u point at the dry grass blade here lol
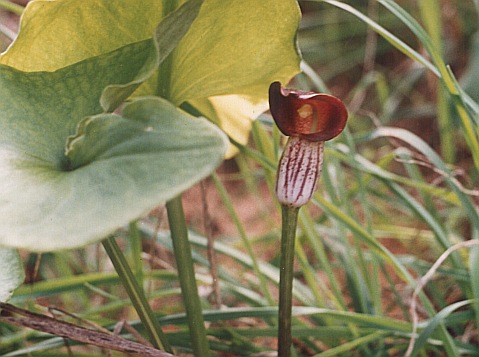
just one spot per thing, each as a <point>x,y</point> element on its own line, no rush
<point>77,333</point>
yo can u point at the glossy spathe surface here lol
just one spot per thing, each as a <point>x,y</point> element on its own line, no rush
<point>309,115</point>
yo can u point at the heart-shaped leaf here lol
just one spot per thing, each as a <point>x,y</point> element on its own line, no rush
<point>69,181</point>
<point>238,48</point>
<point>39,110</point>
<point>11,273</point>
<point>235,47</point>
<point>56,34</point>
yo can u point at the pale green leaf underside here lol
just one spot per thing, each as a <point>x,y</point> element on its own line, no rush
<point>11,272</point>
<point>121,167</point>
<point>115,168</point>
<point>39,110</point>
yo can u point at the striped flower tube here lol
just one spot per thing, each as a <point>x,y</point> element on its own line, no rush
<point>309,119</point>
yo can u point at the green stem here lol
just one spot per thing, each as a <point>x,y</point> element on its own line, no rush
<point>288,237</point>
<point>136,294</point>
<point>12,7</point>
<point>136,250</point>
<point>186,274</point>
<point>164,72</point>
<point>179,232</point>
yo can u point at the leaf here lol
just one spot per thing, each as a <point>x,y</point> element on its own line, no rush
<point>114,169</point>
<point>233,114</point>
<point>353,345</point>
<point>11,273</point>
<point>209,72</point>
<point>167,36</point>
<point>56,34</point>
<point>174,27</point>
<point>435,322</point>
<point>474,279</point>
<point>46,107</point>
<point>234,48</point>
<point>420,145</point>
<point>470,76</point>
<point>237,48</point>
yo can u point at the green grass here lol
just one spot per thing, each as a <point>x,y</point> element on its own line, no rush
<point>399,188</point>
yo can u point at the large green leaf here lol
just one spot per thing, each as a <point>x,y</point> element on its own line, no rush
<point>237,48</point>
<point>232,48</point>
<point>39,110</point>
<point>56,34</point>
<point>168,34</point>
<point>11,272</point>
<point>70,177</point>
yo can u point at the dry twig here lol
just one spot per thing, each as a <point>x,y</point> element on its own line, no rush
<point>77,333</point>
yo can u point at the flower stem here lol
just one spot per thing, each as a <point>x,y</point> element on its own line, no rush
<point>288,236</point>
<point>137,295</point>
<point>186,274</point>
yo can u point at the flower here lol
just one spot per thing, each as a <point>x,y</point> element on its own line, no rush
<point>309,119</point>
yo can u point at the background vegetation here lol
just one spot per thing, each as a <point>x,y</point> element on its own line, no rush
<point>399,189</point>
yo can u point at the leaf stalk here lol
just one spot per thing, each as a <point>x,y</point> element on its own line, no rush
<point>186,274</point>
<point>136,295</point>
